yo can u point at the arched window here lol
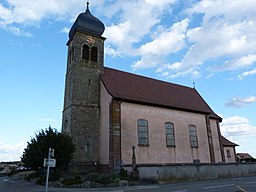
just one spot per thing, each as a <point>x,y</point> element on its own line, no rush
<point>85,55</point>
<point>94,54</point>
<point>71,54</point>
<point>192,136</point>
<point>142,132</point>
<point>169,132</point>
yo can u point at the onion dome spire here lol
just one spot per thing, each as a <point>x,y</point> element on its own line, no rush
<point>87,23</point>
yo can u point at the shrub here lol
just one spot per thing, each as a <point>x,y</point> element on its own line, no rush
<point>40,181</point>
<point>124,175</point>
<point>72,181</point>
<point>31,176</point>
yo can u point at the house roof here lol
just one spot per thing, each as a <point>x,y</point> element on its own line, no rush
<point>244,156</point>
<point>226,142</point>
<point>139,89</point>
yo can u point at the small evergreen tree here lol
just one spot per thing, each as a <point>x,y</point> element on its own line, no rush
<point>37,149</point>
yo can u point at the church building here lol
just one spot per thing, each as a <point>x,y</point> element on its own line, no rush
<point>111,114</point>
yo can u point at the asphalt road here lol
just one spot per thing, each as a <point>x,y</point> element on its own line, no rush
<point>241,184</point>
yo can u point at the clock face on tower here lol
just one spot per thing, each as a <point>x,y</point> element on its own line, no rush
<point>90,40</point>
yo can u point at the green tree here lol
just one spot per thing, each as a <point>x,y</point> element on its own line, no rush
<point>37,149</point>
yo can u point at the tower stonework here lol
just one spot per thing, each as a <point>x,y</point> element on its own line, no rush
<point>81,113</point>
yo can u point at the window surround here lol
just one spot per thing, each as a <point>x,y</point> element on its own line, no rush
<point>85,52</point>
<point>192,136</point>
<point>143,139</point>
<point>89,53</point>
<point>169,134</point>
<point>71,54</point>
<point>94,54</point>
<point>228,153</point>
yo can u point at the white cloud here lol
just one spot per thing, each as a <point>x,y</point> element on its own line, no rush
<point>65,30</point>
<point>227,32</point>
<point>160,3</point>
<point>135,20</point>
<point>237,127</point>
<point>145,29</point>
<point>19,32</point>
<point>110,51</point>
<point>194,74</point>
<point>12,152</point>
<point>118,35</point>
<point>219,39</point>
<point>18,13</point>
<point>5,14</point>
<point>174,66</point>
<point>246,74</point>
<point>241,102</point>
<point>239,63</point>
<point>167,42</point>
<point>230,10</point>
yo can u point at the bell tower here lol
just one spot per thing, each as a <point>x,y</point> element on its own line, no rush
<point>81,113</point>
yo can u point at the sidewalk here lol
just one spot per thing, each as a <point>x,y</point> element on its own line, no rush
<point>21,183</point>
<point>115,189</point>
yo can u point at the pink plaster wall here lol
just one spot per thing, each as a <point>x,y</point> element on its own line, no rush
<point>157,152</point>
<point>232,158</point>
<point>215,139</point>
<point>105,100</point>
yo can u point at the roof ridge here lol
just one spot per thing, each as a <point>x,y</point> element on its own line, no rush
<point>151,78</point>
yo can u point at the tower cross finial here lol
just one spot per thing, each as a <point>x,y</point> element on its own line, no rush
<point>87,5</point>
<point>194,84</point>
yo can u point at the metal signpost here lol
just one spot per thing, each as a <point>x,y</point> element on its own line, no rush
<point>49,163</point>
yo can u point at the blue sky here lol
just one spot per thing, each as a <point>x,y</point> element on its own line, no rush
<point>210,42</point>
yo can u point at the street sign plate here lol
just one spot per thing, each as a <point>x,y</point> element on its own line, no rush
<point>52,162</point>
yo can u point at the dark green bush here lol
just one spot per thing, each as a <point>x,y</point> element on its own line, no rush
<point>72,181</point>
<point>124,175</point>
<point>93,177</point>
<point>40,181</point>
<point>106,178</point>
<point>54,176</point>
<point>31,176</point>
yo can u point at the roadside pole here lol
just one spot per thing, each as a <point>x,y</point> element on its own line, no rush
<point>48,163</point>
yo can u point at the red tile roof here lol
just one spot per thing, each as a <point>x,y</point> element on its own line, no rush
<point>244,156</point>
<point>139,89</point>
<point>226,142</point>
